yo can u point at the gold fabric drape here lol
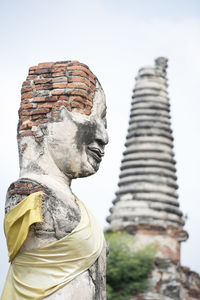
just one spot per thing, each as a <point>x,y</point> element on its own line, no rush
<point>37,273</point>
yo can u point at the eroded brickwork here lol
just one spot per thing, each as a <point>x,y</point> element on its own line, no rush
<point>171,281</point>
<point>190,282</point>
<point>19,190</point>
<point>50,86</point>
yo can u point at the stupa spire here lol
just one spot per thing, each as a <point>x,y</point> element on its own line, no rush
<point>146,202</point>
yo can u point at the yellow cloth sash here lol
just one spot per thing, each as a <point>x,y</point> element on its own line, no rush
<point>18,220</point>
<point>35,274</point>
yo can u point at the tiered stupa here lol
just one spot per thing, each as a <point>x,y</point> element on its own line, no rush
<point>146,203</point>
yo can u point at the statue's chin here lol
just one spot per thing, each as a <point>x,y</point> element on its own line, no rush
<point>94,165</point>
<point>87,170</point>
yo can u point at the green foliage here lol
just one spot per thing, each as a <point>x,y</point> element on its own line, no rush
<point>127,271</point>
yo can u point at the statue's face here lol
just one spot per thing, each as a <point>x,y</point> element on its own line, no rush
<point>77,143</point>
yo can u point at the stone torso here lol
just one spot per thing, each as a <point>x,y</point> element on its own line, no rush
<point>60,217</point>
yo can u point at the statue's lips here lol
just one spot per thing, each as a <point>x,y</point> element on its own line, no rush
<point>96,153</point>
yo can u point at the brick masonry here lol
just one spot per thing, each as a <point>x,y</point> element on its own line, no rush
<point>19,190</point>
<point>50,87</point>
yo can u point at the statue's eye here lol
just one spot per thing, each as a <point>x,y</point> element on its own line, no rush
<point>105,122</point>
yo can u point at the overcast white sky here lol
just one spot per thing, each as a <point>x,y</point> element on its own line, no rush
<point>114,38</point>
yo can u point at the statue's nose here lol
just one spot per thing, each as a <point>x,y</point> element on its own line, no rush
<point>101,135</point>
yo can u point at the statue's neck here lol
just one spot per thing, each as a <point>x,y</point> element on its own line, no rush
<point>42,168</point>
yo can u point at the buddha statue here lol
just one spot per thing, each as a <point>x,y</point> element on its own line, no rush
<point>55,245</point>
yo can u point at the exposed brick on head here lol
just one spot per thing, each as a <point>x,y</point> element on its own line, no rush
<point>51,86</point>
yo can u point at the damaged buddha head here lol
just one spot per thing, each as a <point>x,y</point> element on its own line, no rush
<point>62,120</point>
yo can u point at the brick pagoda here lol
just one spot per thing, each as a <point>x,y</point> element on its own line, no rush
<point>146,203</point>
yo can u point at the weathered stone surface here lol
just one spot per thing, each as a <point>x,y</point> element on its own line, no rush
<point>149,139</point>
<point>147,98</point>
<point>148,170</point>
<point>61,136</point>
<point>146,203</point>
<point>161,156</point>
<point>150,92</point>
<point>149,105</point>
<point>145,118</point>
<point>147,84</point>
<point>148,163</point>
<point>145,147</point>
<point>148,178</point>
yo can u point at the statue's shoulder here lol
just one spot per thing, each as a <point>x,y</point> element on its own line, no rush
<point>19,190</point>
<point>60,217</point>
